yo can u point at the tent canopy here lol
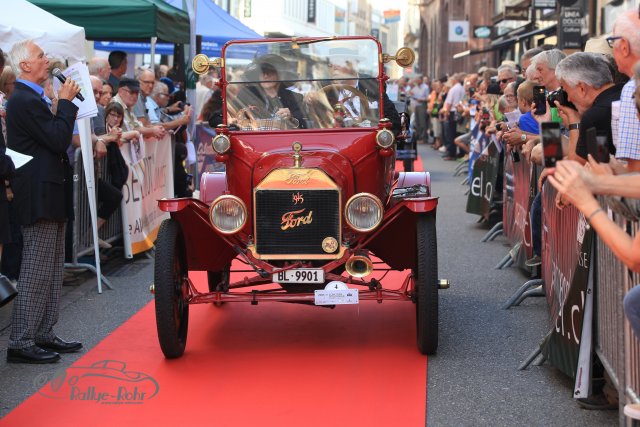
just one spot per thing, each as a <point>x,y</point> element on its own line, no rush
<point>214,25</point>
<point>59,39</point>
<point>134,20</point>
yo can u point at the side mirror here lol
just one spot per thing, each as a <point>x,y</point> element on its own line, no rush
<point>404,57</point>
<point>201,63</point>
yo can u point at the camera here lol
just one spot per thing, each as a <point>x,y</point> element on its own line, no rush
<point>502,126</point>
<point>561,96</point>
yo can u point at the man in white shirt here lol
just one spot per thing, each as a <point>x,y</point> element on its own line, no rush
<point>454,97</point>
<point>419,94</point>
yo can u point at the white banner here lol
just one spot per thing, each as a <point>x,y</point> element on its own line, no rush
<point>150,179</point>
<point>458,31</point>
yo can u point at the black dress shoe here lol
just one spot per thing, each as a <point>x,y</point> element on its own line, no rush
<point>33,354</point>
<point>60,345</point>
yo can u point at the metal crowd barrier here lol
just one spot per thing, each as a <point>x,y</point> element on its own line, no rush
<point>519,189</point>
<point>81,230</point>
<point>614,341</point>
<point>616,344</point>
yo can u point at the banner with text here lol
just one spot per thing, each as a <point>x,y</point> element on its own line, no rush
<point>566,263</point>
<point>483,181</point>
<point>150,179</point>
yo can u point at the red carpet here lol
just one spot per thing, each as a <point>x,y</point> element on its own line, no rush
<point>268,365</point>
<point>417,165</point>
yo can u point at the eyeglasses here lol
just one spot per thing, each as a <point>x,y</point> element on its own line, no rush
<point>132,92</point>
<point>163,94</point>
<point>147,82</point>
<point>505,81</point>
<point>612,39</point>
<point>114,114</point>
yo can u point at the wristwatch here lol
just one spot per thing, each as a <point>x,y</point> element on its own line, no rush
<point>523,137</point>
<point>573,126</point>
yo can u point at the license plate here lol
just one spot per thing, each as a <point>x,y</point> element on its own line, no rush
<point>336,296</point>
<point>300,275</point>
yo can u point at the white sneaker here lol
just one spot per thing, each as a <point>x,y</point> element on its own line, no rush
<point>442,149</point>
<point>104,245</point>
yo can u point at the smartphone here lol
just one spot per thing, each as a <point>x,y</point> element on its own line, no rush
<point>597,145</point>
<point>540,98</point>
<point>551,143</point>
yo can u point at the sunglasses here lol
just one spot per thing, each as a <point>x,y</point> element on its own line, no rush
<point>505,81</point>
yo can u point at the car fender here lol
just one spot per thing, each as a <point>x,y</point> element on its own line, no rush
<point>212,185</point>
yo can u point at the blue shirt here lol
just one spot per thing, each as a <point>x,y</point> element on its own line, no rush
<point>528,124</point>
<point>38,89</point>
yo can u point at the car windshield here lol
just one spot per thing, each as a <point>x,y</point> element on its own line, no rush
<point>302,84</point>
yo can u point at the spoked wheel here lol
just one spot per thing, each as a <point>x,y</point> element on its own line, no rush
<point>336,89</point>
<point>171,289</point>
<point>219,281</point>
<point>426,284</point>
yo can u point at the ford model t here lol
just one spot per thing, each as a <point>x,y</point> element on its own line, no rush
<point>310,200</point>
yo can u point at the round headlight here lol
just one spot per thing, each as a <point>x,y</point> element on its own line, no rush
<point>385,138</point>
<point>228,214</point>
<point>221,144</point>
<point>363,212</point>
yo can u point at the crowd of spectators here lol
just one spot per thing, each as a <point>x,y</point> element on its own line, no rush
<point>592,92</point>
<point>131,107</point>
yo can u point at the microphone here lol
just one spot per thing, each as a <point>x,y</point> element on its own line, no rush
<point>58,74</point>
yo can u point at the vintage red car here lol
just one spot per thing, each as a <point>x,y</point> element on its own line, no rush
<point>310,192</point>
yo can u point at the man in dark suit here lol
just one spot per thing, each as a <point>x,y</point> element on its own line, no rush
<point>43,194</point>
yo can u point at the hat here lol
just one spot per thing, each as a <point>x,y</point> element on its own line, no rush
<point>131,84</point>
<point>271,61</point>
<point>598,45</point>
<point>169,83</point>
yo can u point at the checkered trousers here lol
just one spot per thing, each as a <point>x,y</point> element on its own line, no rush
<point>35,309</point>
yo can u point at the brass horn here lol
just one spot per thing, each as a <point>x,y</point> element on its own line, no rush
<point>201,63</point>
<point>359,266</point>
<point>404,57</point>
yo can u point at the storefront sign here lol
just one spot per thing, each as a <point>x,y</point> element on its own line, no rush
<point>311,11</point>
<point>482,32</point>
<point>544,4</point>
<point>570,28</point>
<point>516,13</point>
<point>458,31</point>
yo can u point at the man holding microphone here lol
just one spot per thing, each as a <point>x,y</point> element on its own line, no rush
<point>42,204</point>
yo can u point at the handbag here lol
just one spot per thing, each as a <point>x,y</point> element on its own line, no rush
<point>118,169</point>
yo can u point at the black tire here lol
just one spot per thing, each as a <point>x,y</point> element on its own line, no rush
<point>171,289</point>
<point>426,284</point>
<point>219,277</point>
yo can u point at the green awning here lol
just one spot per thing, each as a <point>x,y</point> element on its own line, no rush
<point>131,20</point>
